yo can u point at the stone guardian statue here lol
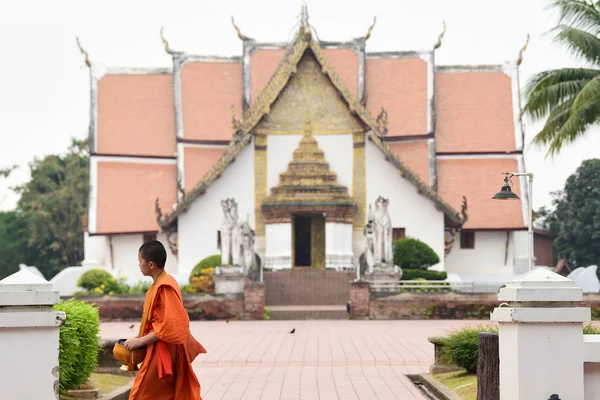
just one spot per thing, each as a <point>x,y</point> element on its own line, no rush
<point>383,234</point>
<point>230,234</point>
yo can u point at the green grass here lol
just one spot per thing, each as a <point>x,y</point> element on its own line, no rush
<point>106,383</point>
<point>461,383</point>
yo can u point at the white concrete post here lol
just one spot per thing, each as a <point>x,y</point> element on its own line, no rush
<point>29,337</point>
<point>540,337</point>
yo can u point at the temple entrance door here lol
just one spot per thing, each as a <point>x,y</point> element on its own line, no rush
<point>309,241</point>
<point>302,241</point>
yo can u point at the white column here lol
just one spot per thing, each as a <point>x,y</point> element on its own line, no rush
<point>94,248</point>
<point>29,337</point>
<point>541,337</point>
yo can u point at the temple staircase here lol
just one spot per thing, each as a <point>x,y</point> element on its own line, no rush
<point>302,294</point>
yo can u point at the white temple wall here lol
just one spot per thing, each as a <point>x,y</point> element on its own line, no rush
<point>198,227</point>
<point>278,246</point>
<point>486,258</point>
<point>125,256</point>
<point>338,246</point>
<point>408,209</point>
<point>338,151</point>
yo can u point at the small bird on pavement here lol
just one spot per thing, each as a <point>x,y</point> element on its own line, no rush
<point>293,330</point>
<point>131,327</point>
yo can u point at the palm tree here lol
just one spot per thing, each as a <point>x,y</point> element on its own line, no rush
<point>569,98</point>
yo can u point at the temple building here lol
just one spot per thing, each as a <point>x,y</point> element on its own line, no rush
<point>303,145</point>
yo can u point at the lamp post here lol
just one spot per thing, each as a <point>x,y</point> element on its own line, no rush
<point>506,193</point>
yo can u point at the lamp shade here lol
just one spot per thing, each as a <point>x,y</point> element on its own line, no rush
<point>506,192</point>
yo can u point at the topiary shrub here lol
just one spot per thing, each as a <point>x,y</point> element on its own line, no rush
<point>99,281</point>
<point>462,346</point>
<point>410,274</point>
<point>413,253</point>
<point>208,262</point>
<point>78,347</point>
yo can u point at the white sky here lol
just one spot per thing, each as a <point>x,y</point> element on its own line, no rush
<point>44,84</point>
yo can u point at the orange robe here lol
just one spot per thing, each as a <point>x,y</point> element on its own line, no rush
<point>166,372</point>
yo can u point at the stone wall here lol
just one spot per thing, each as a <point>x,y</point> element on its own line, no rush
<point>433,306</point>
<point>254,300</point>
<point>476,306</point>
<point>307,287</point>
<point>359,300</point>
<point>199,307</point>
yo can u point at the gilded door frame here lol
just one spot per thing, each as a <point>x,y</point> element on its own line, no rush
<point>317,224</point>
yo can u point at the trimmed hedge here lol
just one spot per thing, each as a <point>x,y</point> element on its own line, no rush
<point>462,346</point>
<point>98,280</point>
<point>410,274</point>
<point>208,262</point>
<point>78,347</point>
<point>412,253</point>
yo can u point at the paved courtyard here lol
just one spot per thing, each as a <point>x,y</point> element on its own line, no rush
<point>324,360</point>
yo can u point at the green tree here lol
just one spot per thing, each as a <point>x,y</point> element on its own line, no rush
<point>14,236</point>
<point>575,217</point>
<point>569,98</point>
<point>54,206</point>
<point>4,173</point>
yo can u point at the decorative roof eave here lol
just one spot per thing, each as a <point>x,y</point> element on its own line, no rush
<point>422,188</point>
<point>234,148</point>
<point>262,106</point>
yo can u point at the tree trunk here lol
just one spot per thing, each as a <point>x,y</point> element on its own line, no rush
<point>488,367</point>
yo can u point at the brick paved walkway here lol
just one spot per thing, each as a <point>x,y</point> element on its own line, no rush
<point>323,360</point>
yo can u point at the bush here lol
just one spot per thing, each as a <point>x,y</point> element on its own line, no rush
<point>410,274</point>
<point>462,346</point>
<point>208,262</point>
<point>205,283</point>
<point>99,281</point>
<point>78,346</point>
<point>411,253</point>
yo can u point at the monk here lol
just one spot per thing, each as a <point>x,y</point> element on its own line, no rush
<point>166,372</point>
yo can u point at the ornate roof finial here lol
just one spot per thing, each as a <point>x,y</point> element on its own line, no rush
<point>239,33</point>
<point>520,59</point>
<point>235,123</point>
<point>87,56</point>
<point>167,48</point>
<point>463,209</point>
<point>382,122</point>
<point>368,35</point>
<point>439,41</point>
<point>304,14</point>
<point>307,125</point>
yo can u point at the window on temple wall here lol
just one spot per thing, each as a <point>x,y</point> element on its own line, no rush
<point>398,233</point>
<point>149,236</point>
<point>467,240</point>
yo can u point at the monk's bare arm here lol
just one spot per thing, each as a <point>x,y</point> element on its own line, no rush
<point>135,343</point>
<point>148,339</point>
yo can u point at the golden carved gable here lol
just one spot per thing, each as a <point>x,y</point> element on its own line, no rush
<point>310,91</point>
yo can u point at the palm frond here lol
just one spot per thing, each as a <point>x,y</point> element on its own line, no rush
<point>565,125</point>
<point>580,43</point>
<point>591,91</point>
<point>549,89</point>
<point>581,14</point>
